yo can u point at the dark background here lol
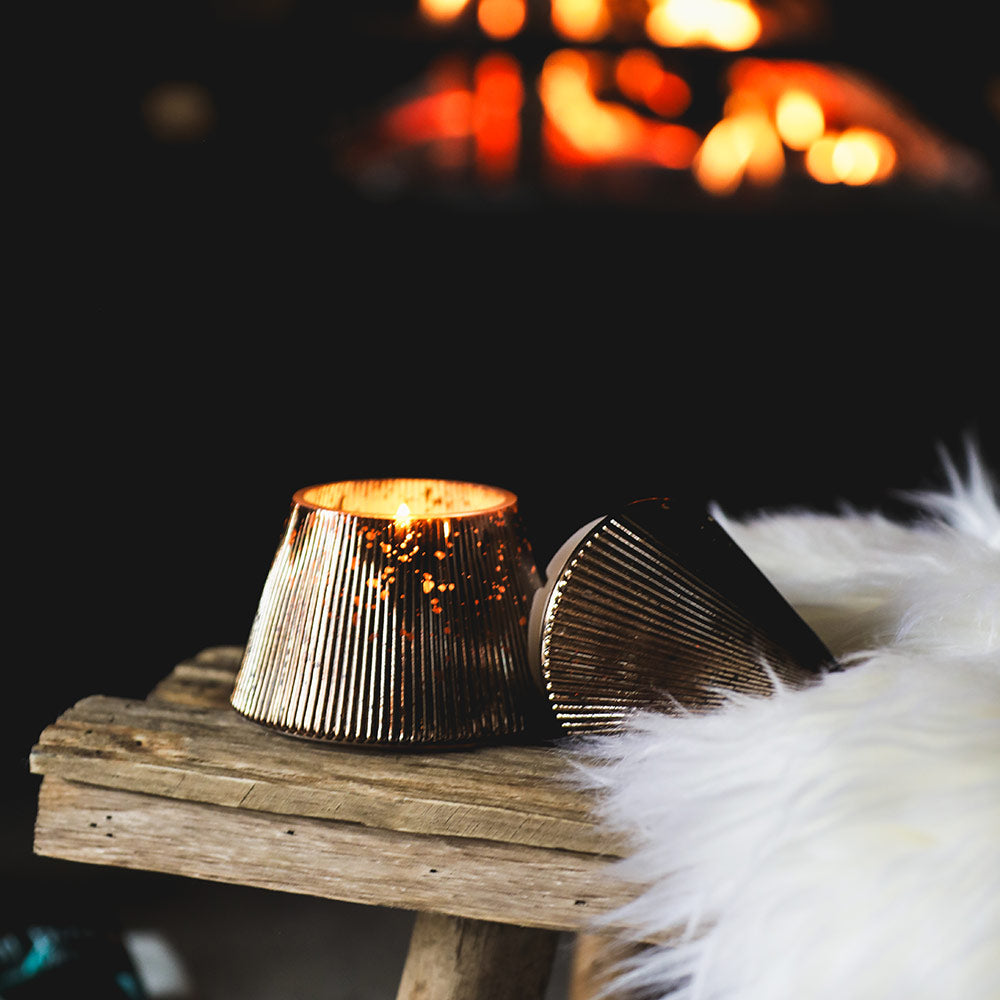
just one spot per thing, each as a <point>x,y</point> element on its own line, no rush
<point>222,322</point>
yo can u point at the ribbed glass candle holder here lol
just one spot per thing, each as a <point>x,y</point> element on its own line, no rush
<point>656,607</point>
<point>395,612</point>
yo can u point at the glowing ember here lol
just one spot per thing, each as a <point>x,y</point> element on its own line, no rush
<point>794,104</point>
<point>447,113</point>
<point>799,119</point>
<point>641,78</point>
<point>611,109</point>
<point>594,128</point>
<point>442,11</point>
<point>497,100</point>
<point>743,145</point>
<point>597,130</point>
<point>581,20</point>
<point>819,160</point>
<point>861,156</point>
<point>855,156</point>
<point>722,24</point>
<point>501,19</point>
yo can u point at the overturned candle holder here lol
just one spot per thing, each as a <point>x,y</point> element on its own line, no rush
<point>655,606</point>
<point>395,612</point>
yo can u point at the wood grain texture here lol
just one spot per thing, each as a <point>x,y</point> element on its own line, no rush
<point>597,960</point>
<point>482,880</point>
<point>451,958</point>
<point>181,744</point>
<point>493,833</point>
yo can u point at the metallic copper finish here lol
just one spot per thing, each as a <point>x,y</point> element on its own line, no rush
<point>656,607</point>
<point>388,625</point>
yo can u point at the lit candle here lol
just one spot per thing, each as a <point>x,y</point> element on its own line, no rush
<point>395,612</point>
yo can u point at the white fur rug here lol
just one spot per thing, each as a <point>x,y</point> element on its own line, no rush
<point>840,842</point>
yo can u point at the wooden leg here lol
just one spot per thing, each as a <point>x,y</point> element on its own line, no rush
<point>594,960</point>
<point>451,958</point>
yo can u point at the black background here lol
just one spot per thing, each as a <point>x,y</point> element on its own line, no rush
<point>220,323</point>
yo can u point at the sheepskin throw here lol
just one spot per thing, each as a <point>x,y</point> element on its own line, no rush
<point>839,842</point>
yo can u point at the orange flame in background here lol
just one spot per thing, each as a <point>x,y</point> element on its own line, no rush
<point>721,24</point>
<point>488,113</point>
<point>799,118</point>
<point>581,20</point>
<point>501,19</point>
<point>871,122</point>
<point>744,144</point>
<point>779,115</point>
<point>582,129</point>
<point>855,156</point>
<point>441,115</point>
<point>442,11</point>
<point>643,80</point>
<point>496,115</point>
<point>747,144</point>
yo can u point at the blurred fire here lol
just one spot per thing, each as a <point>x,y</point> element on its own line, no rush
<point>612,108</point>
<point>721,24</point>
<point>487,114</point>
<point>580,128</point>
<point>442,11</point>
<point>501,18</point>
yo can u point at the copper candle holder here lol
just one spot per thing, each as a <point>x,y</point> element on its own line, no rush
<point>395,612</point>
<point>655,606</point>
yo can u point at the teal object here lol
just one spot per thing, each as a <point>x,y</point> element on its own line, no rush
<point>44,963</point>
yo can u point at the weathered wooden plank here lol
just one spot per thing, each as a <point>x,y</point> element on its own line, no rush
<point>204,681</point>
<point>464,877</point>
<point>509,794</point>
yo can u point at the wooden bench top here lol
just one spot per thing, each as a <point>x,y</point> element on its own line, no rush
<point>180,783</point>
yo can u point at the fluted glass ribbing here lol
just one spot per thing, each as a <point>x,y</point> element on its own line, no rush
<point>373,630</point>
<point>631,624</point>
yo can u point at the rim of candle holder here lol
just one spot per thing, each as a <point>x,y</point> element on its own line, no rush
<point>307,497</point>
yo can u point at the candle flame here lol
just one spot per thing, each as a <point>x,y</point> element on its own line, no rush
<point>403,516</point>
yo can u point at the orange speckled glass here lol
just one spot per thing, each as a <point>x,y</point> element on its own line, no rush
<point>395,612</point>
